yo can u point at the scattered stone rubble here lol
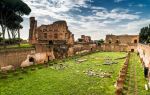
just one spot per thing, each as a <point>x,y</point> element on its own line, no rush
<point>81,60</point>
<point>100,74</point>
<point>120,58</point>
<point>59,66</point>
<point>7,68</point>
<point>109,61</point>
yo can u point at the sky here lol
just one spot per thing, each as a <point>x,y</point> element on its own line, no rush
<point>95,18</point>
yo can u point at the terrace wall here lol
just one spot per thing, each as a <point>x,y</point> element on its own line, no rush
<point>81,47</point>
<point>14,56</point>
<point>118,47</point>
<point>144,52</point>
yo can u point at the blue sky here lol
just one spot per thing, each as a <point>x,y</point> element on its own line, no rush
<point>95,18</point>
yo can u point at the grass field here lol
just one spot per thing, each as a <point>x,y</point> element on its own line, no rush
<point>17,46</point>
<point>72,80</point>
<point>135,81</point>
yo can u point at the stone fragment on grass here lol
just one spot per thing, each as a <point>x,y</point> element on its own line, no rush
<point>146,87</point>
<point>149,84</point>
<point>120,58</point>
<point>7,68</point>
<point>59,66</point>
<point>97,74</point>
<point>109,63</point>
<point>81,60</point>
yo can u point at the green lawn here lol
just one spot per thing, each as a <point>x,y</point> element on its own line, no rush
<point>17,46</point>
<point>72,80</point>
<point>135,81</point>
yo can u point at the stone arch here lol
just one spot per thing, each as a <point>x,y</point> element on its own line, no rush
<point>31,59</point>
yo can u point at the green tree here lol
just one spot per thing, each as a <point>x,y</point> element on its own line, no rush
<point>100,42</point>
<point>13,27</point>
<point>10,15</point>
<point>144,35</point>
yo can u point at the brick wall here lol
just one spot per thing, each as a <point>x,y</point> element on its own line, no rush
<point>118,47</point>
<point>144,52</point>
<point>14,56</point>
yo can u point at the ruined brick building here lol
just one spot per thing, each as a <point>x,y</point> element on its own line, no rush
<point>50,34</point>
<point>85,43</point>
<point>121,43</point>
<point>53,37</point>
<point>84,39</point>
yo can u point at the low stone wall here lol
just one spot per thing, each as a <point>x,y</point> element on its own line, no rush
<point>38,58</point>
<point>122,76</point>
<point>44,54</point>
<point>14,56</point>
<point>111,47</point>
<point>81,47</point>
<point>144,53</point>
<point>70,52</point>
<point>118,47</point>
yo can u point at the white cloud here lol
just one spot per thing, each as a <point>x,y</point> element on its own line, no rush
<point>117,13</point>
<point>137,25</point>
<point>117,1</point>
<point>131,27</point>
<point>120,10</point>
<point>99,23</point>
<point>137,5</point>
<point>56,5</point>
<point>141,5</point>
<point>98,8</point>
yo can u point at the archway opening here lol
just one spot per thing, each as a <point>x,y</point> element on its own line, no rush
<point>132,50</point>
<point>31,59</point>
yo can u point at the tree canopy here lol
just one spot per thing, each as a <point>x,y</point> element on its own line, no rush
<point>144,35</point>
<point>100,42</point>
<point>11,12</point>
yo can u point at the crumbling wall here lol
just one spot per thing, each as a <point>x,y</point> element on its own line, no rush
<point>122,39</point>
<point>58,31</point>
<point>14,56</point>
<point>41,54</point>
<point>114,47</point>
<point>118,47</point>
<point>144,53</point>
<point>119,43</point>
<point>38,58</point>
<point>83,47</point>
<point>70,52</point>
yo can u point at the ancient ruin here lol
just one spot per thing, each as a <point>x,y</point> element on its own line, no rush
<point>56,33</point>
<point>121,43</point>
<point>54,37</point>
<point>84,39</point>
<point>48,59</point>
